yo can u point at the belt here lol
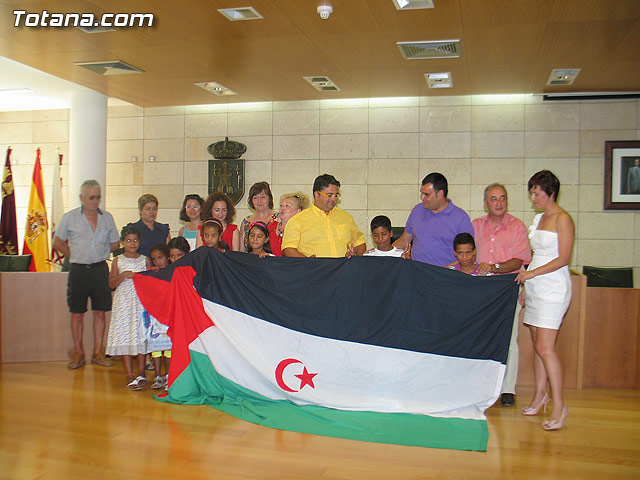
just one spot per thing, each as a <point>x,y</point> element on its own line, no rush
<point>89,265</point>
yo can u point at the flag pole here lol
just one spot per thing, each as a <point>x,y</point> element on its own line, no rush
<point>57,210</point>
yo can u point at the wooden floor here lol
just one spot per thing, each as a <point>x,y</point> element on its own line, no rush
<point>60,424</point>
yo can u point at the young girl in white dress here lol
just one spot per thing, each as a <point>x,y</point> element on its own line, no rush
<point>547,293</point>
<point>126,331</point>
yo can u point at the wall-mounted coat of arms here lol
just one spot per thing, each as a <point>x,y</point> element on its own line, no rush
<point>226,171</point>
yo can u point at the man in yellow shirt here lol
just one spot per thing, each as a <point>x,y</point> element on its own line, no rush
<point>323,230</point>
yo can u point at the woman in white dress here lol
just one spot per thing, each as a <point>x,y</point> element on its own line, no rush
<point>547,293</point>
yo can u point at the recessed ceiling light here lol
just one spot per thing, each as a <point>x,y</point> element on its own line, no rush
<point>322,84</point>
<point>16,90</point>
<point>439,80</point>
<point>242,13</point>
<point>412,4</point>
<point>215,88</point>
<point>563,76</point>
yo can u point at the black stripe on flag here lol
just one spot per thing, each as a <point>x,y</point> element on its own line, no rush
<point>389,302</point>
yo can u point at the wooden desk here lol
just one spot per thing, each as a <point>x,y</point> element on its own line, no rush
<point>599,341</point>
<point>35,320</point>
<point>612,338</point>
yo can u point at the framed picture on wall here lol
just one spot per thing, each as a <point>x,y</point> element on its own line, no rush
<point>622,175</point>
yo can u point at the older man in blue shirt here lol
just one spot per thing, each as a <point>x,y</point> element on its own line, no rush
<point>92,236</point>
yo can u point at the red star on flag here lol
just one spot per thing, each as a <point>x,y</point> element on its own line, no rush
<point>306,378</point>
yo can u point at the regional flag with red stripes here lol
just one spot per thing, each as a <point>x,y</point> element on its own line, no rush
<point>368,348</point>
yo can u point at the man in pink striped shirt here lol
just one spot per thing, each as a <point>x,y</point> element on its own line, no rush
<point>502,246</point>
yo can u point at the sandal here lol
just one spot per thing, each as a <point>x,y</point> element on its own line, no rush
<point>135,384</point>
<point>77,362</point>
<point>158,383</point>
<point>100,359</point>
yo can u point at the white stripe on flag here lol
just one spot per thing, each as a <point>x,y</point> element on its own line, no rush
<point>350,376</point>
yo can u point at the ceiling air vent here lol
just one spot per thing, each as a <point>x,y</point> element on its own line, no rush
<point>430,49</point>
<point>114,67</point>
<point>323,84</point>
<point>563,76</point>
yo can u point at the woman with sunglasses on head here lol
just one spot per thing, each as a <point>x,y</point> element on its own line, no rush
<point>191,213</point>
<point>290,204</point>
<point>261,202</point>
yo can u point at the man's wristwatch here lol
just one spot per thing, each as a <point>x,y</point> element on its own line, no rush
<point>497,265</point>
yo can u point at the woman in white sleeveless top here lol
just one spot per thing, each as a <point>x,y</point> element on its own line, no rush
<point>547,293</point>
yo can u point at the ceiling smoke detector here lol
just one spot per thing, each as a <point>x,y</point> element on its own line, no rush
<point>324,11</point>
<point>563,76</point>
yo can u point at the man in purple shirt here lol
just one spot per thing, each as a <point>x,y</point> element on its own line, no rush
<point>434,223</point>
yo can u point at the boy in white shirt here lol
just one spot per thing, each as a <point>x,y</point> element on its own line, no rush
<point>382,233</point>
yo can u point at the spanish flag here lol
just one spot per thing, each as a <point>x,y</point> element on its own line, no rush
<point>36,235</point>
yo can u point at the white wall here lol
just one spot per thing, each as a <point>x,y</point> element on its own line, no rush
<point>379,149</point>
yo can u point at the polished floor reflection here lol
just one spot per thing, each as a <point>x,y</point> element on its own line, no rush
<point>61,424</point>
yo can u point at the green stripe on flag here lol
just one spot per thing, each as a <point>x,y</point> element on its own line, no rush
<point>199,384</point>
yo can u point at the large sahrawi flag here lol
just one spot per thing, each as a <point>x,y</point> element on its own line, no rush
<point>376,349</point>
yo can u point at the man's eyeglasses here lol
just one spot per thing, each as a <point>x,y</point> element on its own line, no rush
<point>94,197</point>
<point>329,195</point>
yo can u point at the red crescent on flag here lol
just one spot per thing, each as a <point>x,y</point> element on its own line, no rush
<point>280,370</point>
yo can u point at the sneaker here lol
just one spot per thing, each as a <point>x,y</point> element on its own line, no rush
<point>142,380</point>
<point>76,362</point>
<point>101,360</point>
<point>158,383</point>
